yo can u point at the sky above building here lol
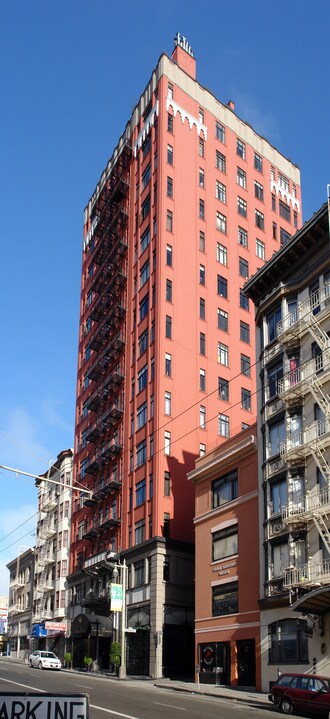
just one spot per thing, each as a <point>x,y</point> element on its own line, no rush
<point>72,72</point>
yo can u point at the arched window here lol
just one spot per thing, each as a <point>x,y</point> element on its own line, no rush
<point>288,641</point>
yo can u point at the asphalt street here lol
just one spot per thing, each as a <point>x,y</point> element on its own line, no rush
<point>129,699</point>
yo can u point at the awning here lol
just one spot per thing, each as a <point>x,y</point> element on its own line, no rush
<point>315,602</point>
<point>91,625</point>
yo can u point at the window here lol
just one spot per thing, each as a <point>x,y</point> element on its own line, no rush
<point>243,267</point>
<point>276,436</point>
<point>202,449</point>
<point>272,321</point>
<point>168,290</point>
<point>166,569</point>
<point>146,146</point>
<point>170,154</point>
<point>221,222</point>
<point>222,286</point>
<point>167,442</point>
<point>167,520</point>
<point>284,236</point>
<point>146,176</point>
<point>202,241</point>
<point>170,123</point>
<point>245,365</point>
<point>260,249</point>
<point>169,221</point>
<point>201,209</point>
<point>240,148</point>
<point>142,415</point>
<point>139,531</point>
<point>278,496</point>
<point>274,231</point>
<point>144,307</point>
<point>168,365</point>
<point>242,237</point>
<point>143,342</point>
<point>169,187</point>
<point>202,380</point>
<point>288,641</point>
<point>201,147</point>
<point>202,343</point>
<point>257,162</point>
<point>201,308</point>
<point>243,300</point>
<point>241,207</point>
<point>244,332</point>
<point>167,484</point>
<point>283,182</point>
<point>141,453</point>
<point>169,255</point>
<point>284,210</point>
<point>245,399</point>
<point>274,202</point>
<point>259,191</point>
<point>225,599</point>
<point>223,389</point>
<point>220,191</point>
<point>145,209</point>
<point>275,373</point>
<point>220,132</point>
<point>223,354</point>
<point>142,378</point>
<point>201,275</point>
<point>168,327</point>
<point>168,403</point>
<point>140,493</point>
<point>260,220</point>
<point>222,254</point>
<point>220,161</point>
<point>241,177</point>
<point>170,91</point>
<point>222,320</point>
<point>202,417</point>
<point>145,239</point>
<point>225,489</point>
<point>201,177</point>
<point>144,273</point>
<point>225,543</point>
<point>223,425</point>
<point>295,218</point>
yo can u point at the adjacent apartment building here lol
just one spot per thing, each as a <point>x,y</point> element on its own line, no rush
<point>227,615</point>
<point>191,203</point>
<point>52,556</point>
<point>21,577</point>
<point>292,297</point>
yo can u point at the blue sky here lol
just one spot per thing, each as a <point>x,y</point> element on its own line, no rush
<point>71,73</point>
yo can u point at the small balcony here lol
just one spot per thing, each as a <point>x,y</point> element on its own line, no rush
<point>307,506</point>
<point>314,308</point>
<point>306,441</point>
<point>308,575</point>
<point>297,382</point>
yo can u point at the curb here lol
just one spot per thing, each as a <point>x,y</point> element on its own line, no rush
<point>242,699</point>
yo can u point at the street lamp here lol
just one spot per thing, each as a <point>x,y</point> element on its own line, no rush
<point>123,569</point>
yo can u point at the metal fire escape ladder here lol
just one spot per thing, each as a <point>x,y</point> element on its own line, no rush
<point>319,456</point>
<point>322,528</point>
<point>310,320</point>
<point>318,394</point>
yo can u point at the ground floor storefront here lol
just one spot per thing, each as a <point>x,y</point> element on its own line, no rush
<point>229,657</point>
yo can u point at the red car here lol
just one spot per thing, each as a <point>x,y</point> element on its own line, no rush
<point>307,693</point>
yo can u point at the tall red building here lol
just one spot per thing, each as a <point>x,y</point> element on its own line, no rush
<point>190,204</point>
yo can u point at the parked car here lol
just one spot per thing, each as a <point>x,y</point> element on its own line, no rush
<point>309,693</point>
<point>44,660</point>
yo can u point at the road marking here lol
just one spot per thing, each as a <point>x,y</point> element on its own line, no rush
<point>26,686</point>
<point>171,706</point>
<point>83,685</point>
<point>109,711</point>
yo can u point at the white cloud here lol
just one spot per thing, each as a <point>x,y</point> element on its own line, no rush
<point>19,446</point>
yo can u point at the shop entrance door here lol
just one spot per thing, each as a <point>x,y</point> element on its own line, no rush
<point>246,663</point>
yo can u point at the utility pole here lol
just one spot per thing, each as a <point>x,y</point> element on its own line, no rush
<point>47,479</point>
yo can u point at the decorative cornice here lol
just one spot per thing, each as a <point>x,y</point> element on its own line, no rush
<point>222,458</point>
<point>278,189</point>
<point>149,122</point>
<point>186,116</point>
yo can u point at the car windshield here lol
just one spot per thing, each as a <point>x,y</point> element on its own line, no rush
<point>327,683</point>
<point>48,655</point>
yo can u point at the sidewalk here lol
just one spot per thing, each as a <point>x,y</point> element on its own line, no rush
<point>221,692</point>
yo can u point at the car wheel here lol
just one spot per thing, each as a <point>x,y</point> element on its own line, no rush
<point>31,665</point>
<point>40,665</point>
<point>286,706</point>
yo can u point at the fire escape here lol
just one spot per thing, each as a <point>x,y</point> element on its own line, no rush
<point>313,440</point>
<point>107,290</point>
<point>45,558</point>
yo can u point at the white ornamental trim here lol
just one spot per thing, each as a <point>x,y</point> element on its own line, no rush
<point>186,116</point>
<point>278,189</point>
<point>150,121</point>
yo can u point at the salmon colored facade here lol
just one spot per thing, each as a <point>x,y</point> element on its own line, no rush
<point>227,619</point>
<point>187,207</point>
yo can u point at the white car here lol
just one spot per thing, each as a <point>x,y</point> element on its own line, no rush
<point>44,660</point>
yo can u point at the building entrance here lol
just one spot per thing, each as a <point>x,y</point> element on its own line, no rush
<point>214,663</point>
<point>246,663</point>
